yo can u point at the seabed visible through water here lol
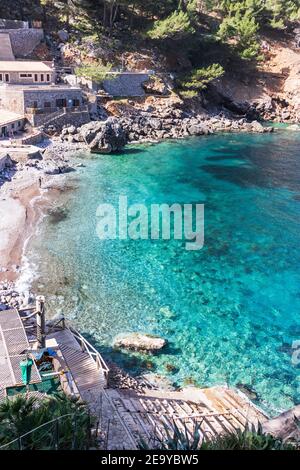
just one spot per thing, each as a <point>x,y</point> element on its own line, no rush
<point>230,311</point>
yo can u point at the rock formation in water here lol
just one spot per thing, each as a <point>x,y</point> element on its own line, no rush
<point>139,342</point>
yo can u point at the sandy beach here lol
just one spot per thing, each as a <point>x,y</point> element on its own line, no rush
<point>17,217</point>
<point>22,203</point>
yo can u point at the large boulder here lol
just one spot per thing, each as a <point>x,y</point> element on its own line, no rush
<point>139,342</point>
<point>285,426</point>
<point>257,127</point>
<point>155,85</point>
<point>103,136</point>
<point>197,129</point>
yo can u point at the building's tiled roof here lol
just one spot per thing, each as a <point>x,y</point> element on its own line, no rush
<point>24,66</point>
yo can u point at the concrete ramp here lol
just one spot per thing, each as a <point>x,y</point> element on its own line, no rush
<point>6,52</point>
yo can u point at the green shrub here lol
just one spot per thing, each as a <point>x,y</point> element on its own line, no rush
<point>243,28</point>
<point>21,415</point>
<point>175,26</point>
<point>97,72</point>
<point>199,78</point>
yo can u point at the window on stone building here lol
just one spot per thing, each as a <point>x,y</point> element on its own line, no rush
<point>42,77</point>
<point>61,103</point>
<point>25,75</point>
<point>48,77</point>
<point>36,78</point>
<point>7,77</point>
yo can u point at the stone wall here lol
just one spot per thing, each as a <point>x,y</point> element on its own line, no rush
<point>126,84</point>
<point>13,24</point>
<point>60,119</point>
<point>123,84</point>
<point>12,100</point>
<point>73,118</point>
<point>23,41</point>
<point>33,139</point>
<point>37,120</point>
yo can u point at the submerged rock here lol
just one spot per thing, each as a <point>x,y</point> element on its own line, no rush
<point>248,390</point>
<point>158,382</point>
<point>139,342</point>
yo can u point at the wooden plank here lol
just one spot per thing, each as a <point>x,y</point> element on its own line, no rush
<point>14,343</point>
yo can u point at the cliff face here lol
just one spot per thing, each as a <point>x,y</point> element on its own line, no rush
<point>273,88</point>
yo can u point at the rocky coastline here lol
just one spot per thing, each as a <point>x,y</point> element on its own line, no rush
<point>114,133</point>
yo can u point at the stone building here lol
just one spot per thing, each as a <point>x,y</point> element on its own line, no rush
<point>26,72</point>
<point>27,89</point>
<point>10,123</point>
<point>39,99</point>
<point>28,92</point>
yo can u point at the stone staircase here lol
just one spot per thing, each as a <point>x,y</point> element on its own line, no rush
<point>6,52</point>
<point>215,410</point>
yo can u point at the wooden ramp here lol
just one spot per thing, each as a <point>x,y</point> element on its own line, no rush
<point>89,379</point>
<point>13,347</point>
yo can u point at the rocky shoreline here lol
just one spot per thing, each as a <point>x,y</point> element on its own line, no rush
<point>114,133</point>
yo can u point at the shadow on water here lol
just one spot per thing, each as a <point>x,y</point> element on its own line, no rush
<point>132,151</point>
<point>270,166</point>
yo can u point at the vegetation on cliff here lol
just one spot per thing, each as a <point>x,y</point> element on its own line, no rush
<point>195,40</point>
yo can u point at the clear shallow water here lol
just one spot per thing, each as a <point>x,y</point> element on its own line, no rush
<point>229,311</point>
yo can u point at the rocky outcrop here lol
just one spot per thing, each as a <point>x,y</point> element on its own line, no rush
<point>139,342</point>
<point>143,128</point>
<point>155,85</point>
<point>285,426</point>
<point>9,296</point>
<point>99,136</point>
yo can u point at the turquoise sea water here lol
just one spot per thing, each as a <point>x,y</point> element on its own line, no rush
<point>229,311</point>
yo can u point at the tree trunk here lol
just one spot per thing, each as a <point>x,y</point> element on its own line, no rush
<point>104,15</point>
<point>112,15</point>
